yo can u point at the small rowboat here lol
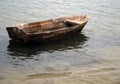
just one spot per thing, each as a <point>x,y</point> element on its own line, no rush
<point>48,30</point>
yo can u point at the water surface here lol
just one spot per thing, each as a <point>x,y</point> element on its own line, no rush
<point>90,57</point>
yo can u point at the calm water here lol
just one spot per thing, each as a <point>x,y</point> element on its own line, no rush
<point>90,57</point>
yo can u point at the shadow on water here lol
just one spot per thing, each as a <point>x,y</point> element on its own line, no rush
<point>73,42</point>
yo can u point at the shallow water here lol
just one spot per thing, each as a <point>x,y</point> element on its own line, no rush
<point>90,57</point>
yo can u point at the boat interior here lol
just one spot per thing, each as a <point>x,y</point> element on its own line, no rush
<point>51,24</point>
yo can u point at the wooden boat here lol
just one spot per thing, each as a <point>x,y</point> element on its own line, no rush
<point>48,30</point>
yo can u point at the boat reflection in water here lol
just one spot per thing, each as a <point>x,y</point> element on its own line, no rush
<point>73,42</point>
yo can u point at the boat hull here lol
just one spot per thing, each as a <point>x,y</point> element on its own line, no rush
<point>19,35</point>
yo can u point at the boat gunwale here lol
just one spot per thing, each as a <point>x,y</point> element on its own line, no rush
<point>63,19</point>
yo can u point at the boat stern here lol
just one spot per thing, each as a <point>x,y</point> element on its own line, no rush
<point>11,32</point>
<point>16,34</point>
